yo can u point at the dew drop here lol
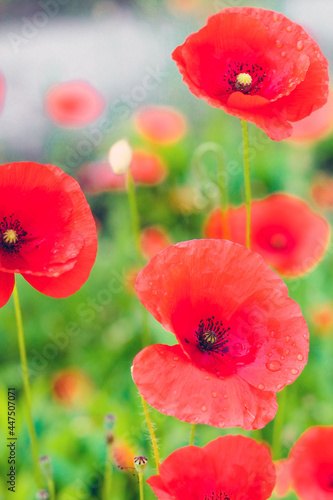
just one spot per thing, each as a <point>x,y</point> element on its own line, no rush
<point>289,29</point>
<point>300,357</point>
<point>283,54</point>
<point>269,354</point>
<point>279,387</point>
<point>282,358</point>
<point>175,358</point>
<point>150,283</point>
<point>214,395</point>
<point>225,396</point>
<point>207,378</point>
<point>279,44</point>
<point>275,16</point>
<point>273,366</point>
<point>294,371</point>
<point>261,387</point>
<point>318,55</point>
<point>287,351</point>
<point>287,338</point>
<point>73,255</point>
<point>272,334</point>
<point>154,292</point>
<point>221,423</point>
<point>225,409</point>
<point>173,365</point>
<point>289,382</point>
<point>300,45</point>
<point>204,408</point>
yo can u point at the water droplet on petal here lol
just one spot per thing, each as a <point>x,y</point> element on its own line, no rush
<point>225,409</point>
<point>300,45</point>
<point>154,292</point>
<point>294,371</point>
<point>261,387</point>
<point>276,16</point>
<point>287,351</point>
<point>221,423</point>
<point>175,358</point>
<point>273,366</point>
<point>287,338</point>
<point>150,283</point>
<point>204,408</point>
<point>283,54</point>
<point>300,357</point>
<point>225,396</point>
<point>272,334</point>
<point>206,377</point>
<point>214,395</point>
<point>269,354</point>
<point>282,358</point>
<point>279,44</point>
<point>289,382</point>
<point>279,387</point>
<point>289,29</point>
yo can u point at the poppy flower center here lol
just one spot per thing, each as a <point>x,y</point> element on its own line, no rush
<point>212,337</point>
<point>278,241</point>
<point>217,496</point>
<point>245,78</point>
<point>12,236</point>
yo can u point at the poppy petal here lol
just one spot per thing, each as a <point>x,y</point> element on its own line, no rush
<point>195,396</point>
<point>7,282</point>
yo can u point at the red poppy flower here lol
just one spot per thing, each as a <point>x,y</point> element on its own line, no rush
<point>241,338</point>
<point>160,124</point>
<point>257,65</point>
<point>73,104</point>
<point>147,169</point>
<point>311,464</point>
<point>153,240</point>
<point>47,231</point>
<point>322,318</point>
<point>71,387</point>
<point>229,467</point>
<point>291,247</point>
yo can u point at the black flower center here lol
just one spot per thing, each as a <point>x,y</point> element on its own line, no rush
<point>244,77</point>
<point>217,496</point>
<point>212,337</point>
<point>12,236</point>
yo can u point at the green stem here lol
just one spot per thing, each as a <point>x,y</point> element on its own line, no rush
<point>27,390</point>
<point>192,435</point>
<point>247,183</point>
<point>141,485</point>
<point>152,434</point>
<point>107,478</point>
<point>222,178</point>
<point>278,424</point>
<point>50,485</point>
<point>135,220</point>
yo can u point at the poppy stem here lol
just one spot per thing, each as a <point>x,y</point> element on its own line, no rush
<point>247,183</point>
<point>141,485</point>
<point>152,434</point>
<point>278,425</point>
<point>107,477</point>
<point>222,178</point>
<point>135,219</point>
<point>27,390</point>
<point>192,435</point>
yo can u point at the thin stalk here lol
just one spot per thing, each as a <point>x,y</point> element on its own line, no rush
<point>27,390</point>
<point>107,478</point>
<point>135,219</point>
<point>141,486</point>
<point>152,434</point>
<point>192,435</point>
<point>50,485</point>
<point>247,182</point>
<point>278,425</point>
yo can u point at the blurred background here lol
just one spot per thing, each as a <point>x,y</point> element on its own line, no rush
<point>80,349</point>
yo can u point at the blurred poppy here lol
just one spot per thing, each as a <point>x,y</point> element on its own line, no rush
<point>123,454</point>
<point>73,104</point>
<point>321,316</point>
<point>284,230</point>
<point>47,231</point>
<point>316,126</point>
<point>161,124</point>
<point>130,279</point>
<point>310,464</point>
<point>2,90</point>
<point>227,468</point>
<point>153,239</point>
<point>147,169</point>
<point>241,338</point>
<point>71,387</point>
<point>322,191</point>
<point>257,65</point>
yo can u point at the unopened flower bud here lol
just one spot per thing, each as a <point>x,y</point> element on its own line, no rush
<point>109,421</point>
<point>42,495</point>
<point>140,464</point>
<point>120,156</point>
<point>46,466</point>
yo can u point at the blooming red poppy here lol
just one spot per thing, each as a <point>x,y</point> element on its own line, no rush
<point>161,124</point>
<point>310,464</point>
<point>229,467</point>
<point>291,247</point>
<point>257,65</point>
<point>71,387</point>
<point>47,231</point>
<point>147,169</point>
<point>73,104</point>
<point>153,239</point>
<point>241,338</point>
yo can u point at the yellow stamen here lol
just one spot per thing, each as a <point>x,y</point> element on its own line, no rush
<point>210,337</point>
<point>10,237</point>
<point>244,79</point>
